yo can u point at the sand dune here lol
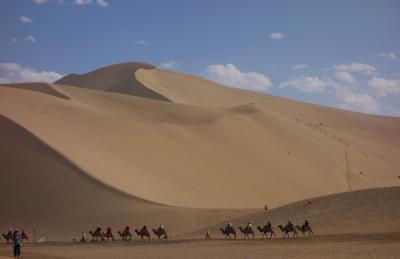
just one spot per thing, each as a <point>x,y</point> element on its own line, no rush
<point>118,142</point>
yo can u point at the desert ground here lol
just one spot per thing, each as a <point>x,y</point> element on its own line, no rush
<point>133,144</point>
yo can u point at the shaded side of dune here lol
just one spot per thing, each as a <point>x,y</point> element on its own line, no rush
<point>43,189</point>
<point>118,78</point>
<point>43,88</point>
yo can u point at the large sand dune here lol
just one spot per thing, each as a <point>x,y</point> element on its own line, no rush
<point>115,144</point>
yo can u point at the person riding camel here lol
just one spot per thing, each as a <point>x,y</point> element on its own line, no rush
<point>249,225</point>
<point>269,225</point>
<point>109,231</point>
<point>161,227</point>
<point>98,229</point>
<point>306,224</point>
<point>229,226</point>
<point>144,229</point>
<point>290,224</point>
<point>10,233</point>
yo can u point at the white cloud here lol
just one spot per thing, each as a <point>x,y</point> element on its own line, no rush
<point>356,68</point>
<point>345,77</point>
<point>83,2</point>
<point>102,3</point>
<point>382,87</point>
<point>306,84</point>
<point>170,65</point>
<point>355,100</point>
<point>276,36</point>
<point>230,75</point>
<point>389,55</point>
<point>30,38</point>
<point>25,19</point>
<point>142,42</point>
<point>14,73</point>
<point>14,39</point>
<point>300,66</point>
<point>40,1</point>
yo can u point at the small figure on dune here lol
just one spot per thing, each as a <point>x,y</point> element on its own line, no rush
<point>208,235</point>
<point>161,231</point>
<point>17,244</point>
<point>83,237</point>
<point>266,206</point>
<point>308,203</point>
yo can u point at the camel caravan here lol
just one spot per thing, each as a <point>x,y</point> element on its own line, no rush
<point>248,232</point>
<point>160,233</point>
<point>124,235</point>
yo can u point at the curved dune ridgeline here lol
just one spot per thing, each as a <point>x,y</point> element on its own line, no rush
<point>113,144</point>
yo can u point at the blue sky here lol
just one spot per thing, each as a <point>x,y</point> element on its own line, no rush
<point>338,53</point>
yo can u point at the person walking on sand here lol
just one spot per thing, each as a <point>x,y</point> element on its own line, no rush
<point>17,243</point>
<point>208,235</point>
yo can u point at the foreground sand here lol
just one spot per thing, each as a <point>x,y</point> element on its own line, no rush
<point>335,246</point>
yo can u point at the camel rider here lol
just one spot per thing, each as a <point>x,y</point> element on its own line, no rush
<point>109,231</point>
<point>229,226</point>
<point>144,228</point>
<point>249,225</point>
<point>290,224</point>
<point>306,223</point>
<point>161,228</point>
<point>127,228</point>
<point>98,229</point>
<point>10,233</point>
<point>269,225</point>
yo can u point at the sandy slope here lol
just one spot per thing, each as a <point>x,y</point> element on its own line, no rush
<point>189,143</point>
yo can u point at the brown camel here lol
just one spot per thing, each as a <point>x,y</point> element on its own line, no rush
<point>160,232</point>
<point>265,230</point>
<point>228,231</point>
<point>8,238</point>
<point>125,235</point>
<point>96,235</point>
<point>287,229</point>
<point>143,232</point>
<point>247,231</point>
<point>305,228</point>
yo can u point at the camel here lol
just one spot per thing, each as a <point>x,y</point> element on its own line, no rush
<point>24,236</point>
<point>160,232</point>
<point>143,233</point>
<point>8,238</point>
<point>305,228</point>
<point>125,235</point>
<point>228,231</point>
<point>247,231</point>
<point>265,230</point>
<point>96,235</point>
<point>287,229</point>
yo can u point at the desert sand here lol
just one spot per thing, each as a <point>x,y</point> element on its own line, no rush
<point>133,144</point>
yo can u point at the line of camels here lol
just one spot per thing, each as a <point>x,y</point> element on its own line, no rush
<point>126,234</point>
<point>248,232</point>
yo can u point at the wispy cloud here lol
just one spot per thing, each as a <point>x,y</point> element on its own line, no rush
<point>102,3</point>
<point>389,55</point>
<point>277,36</point>
<point>14,39</point>
<point>170,65</point>
<point>230,75</point>
<point>15,73</point>
<point>345,77</point>
<point>83,2</point>
<point>25,19</point>
<point>356,68</point>
<point>307,84</point>
<point>30,38</point>
<point>40,1</point>
<point>300,66</point>
<point>142,42</point>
